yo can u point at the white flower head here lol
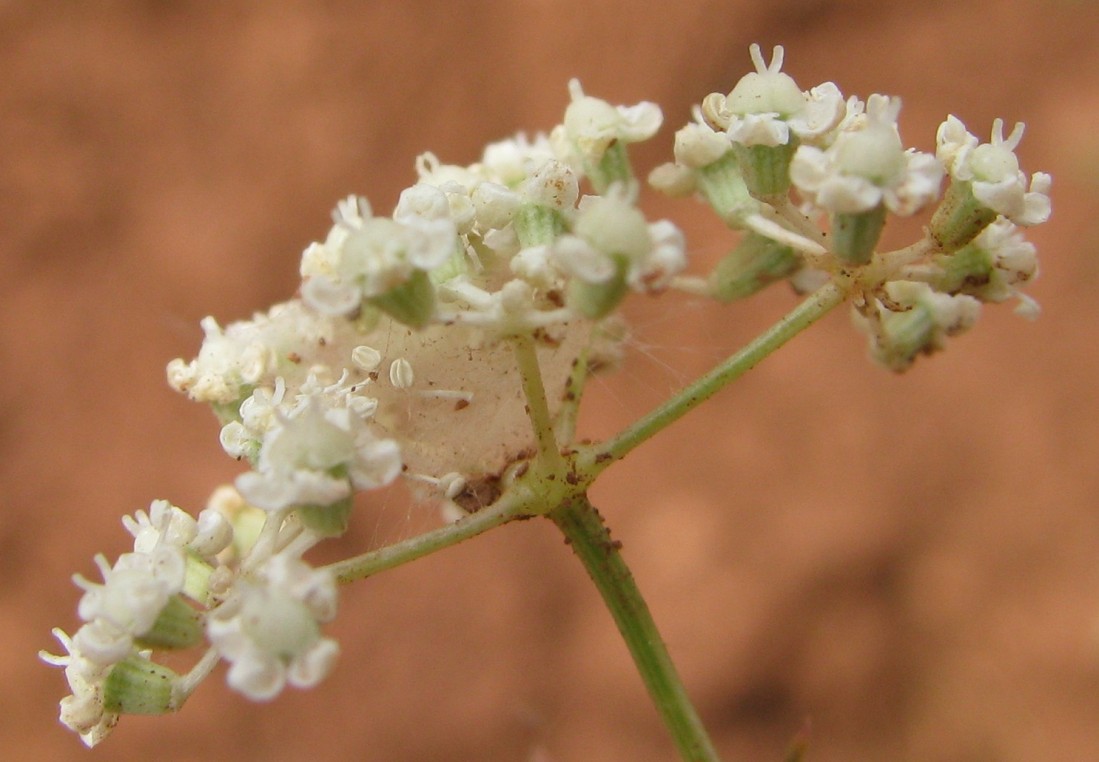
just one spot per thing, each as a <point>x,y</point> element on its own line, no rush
<point>304,459</point>
<point>993,171</point>
<point>610,228</point>
<point>592,125</point>
<point>766,106</point>
<point>270,628</point>
<point>868,166</point>
<point>993,266</point>
<point>369,257</point>
<point>509,162</point>
<point>915,320</point>
<point>250,353</point>
<point>126,605</point>
<point>82,711</point>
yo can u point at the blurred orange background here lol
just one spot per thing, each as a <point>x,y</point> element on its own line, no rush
<point>912,563</point>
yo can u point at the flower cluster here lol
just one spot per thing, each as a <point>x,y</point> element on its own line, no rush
<point>227,577</point>
<point>446,344</point>
<point>748,151</point>
<point>395,361</point>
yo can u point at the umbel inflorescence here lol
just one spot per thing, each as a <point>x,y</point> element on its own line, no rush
<point>447,345</point>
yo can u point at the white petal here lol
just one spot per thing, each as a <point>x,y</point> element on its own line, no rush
<point>257,678</point>
<point>330,297</point>
<point>311,667</point>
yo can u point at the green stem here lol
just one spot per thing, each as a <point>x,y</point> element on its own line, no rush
<point>537,407</point>
<point>801,317</point>
<point>565,425</point>
<point>507,508</point>
<point>586,533</point>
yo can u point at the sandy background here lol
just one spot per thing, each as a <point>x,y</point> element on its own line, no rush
<point>912,563</point>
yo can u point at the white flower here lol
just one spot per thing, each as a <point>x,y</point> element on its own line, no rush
<point>666,258</point>
<point>913,320</point>
<point>535,265</point>
<point>302,454</point>
<point>249,353</point>
<point>163,524</point>
<point>868,166</point>
<point>126,606</point>
<point>698,145</point>
<point>553,185</point>
<point>993,170</point>
<point>494,204</point>
<point>610,228</point>
<point>992,266</point>
<point>513,309</point>
<point>674,179</point>
<point>592,125</point>
<point>511,161</point>
<point>82,711</point>
<point>766,105</point>
<point>368,257</point>
<point>270,628</point>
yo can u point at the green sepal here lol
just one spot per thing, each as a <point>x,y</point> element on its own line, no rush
<point>960,217</point>
<point>139,686</point>
<point>854,236</point>
<point>411,303</point>
<point>722,185</point>
<point>227,412</point>
<point>457,264</point>
<point>757,261</point>
<point>766,169</point>
<point>905,335</point>
<point>326,520</point>
<point>596,300</point>
<point>537,225</point>
<point>965,271</point>
<point>177,626</point>
<point>614,167</point>
<point>196,580</point>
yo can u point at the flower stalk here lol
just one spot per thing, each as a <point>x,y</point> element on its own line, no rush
<point>590,540</point>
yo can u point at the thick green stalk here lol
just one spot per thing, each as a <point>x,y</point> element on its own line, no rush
<point>586,533</point>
